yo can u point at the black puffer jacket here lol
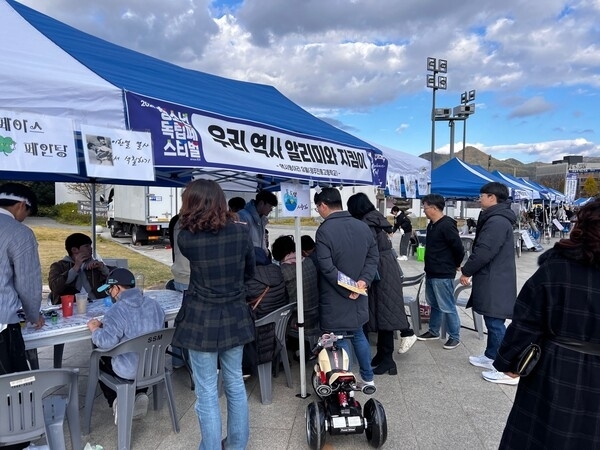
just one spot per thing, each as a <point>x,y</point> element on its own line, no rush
<point>386,301</point>
<point>492,263</point>
<point>276,297</point>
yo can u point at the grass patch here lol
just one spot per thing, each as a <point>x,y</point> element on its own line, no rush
<point>52,248</point>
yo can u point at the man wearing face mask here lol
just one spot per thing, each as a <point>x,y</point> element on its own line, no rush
<point>131,316</point>
<point>78,271</point>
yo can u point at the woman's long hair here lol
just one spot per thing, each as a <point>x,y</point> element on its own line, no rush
<point>204,207</point>
<point>583,243</point>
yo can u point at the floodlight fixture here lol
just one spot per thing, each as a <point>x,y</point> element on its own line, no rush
<point>442,112</point>
<point>431,81</point>
<point>431,64</point>
<point>465,98</point>
<point>434,82</point>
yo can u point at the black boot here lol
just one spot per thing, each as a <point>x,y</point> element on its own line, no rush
<point>378,358</point>
<point>385,344</point>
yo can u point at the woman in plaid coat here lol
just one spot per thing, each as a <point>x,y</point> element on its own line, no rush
<point>214,322</point>
<point>557,406</point>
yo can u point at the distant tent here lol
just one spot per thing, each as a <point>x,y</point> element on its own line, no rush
<point>582,201</point>
<point>459,180</point>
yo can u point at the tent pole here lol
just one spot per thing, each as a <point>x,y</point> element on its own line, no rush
<point>93,212</point>
<point>300,307</point>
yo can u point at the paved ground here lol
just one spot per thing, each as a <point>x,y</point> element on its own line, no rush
<point>437,400</point>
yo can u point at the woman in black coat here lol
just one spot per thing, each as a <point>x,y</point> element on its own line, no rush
<point>386,301</point>
<point>557,405</point>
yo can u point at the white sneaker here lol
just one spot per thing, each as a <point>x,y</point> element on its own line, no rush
<point>482,361</point>
<point>399,258</point>
<point>140,406</point>
<point>494,376</point>
<point>403,258</point>
<point>406,343</point>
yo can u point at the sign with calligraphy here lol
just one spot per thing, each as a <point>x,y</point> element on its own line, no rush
<point>296,200</point>
<point>37,143</point>
<point>115,153</point>
<point>186,137</point>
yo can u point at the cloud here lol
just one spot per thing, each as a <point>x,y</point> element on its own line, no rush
<point>531,107</point>
<point>402,127</point>
<point>338,58</point>
<point>543,151</point>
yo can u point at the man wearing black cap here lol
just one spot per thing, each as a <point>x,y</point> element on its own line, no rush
<point>130,316</point>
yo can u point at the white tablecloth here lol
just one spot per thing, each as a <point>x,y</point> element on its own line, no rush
<point>75,328</point>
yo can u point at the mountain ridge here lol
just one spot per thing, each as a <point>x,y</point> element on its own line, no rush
<point>510,166</point>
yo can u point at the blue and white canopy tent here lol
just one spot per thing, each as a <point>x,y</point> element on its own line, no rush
<point>458,180</point>
<point>198,122</point>
<point>525,192</point>
<point>403,175</point>
<point>245,134</point>
<point>582,201</point>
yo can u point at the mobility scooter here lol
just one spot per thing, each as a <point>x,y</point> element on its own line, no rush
<point>337,411</point>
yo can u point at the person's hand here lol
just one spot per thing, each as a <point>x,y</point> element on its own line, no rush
<point>39,323</point>
<point>512,375</point>
<point>465,280</point>
<point>94,264</point>
<point>78,261</point>
<point>354,295</point>
<point>94,324</point>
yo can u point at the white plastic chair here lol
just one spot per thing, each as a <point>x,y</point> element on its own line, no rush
<point>413,301</point>
<point>151,348</point>
<point>27,412</point>
<point>280,317</point>
<point>462,302</point>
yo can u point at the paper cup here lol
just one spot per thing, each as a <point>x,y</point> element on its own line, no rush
<point>67,305</point>
<point>81,300</point>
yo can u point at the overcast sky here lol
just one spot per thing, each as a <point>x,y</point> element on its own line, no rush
<point>361,64</point>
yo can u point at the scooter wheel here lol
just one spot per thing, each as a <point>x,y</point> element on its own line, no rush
<point>315,381</point>
<point>376,429</point>
<point>315,425</point>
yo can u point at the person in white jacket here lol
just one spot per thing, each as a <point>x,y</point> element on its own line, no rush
<point>130,316</point>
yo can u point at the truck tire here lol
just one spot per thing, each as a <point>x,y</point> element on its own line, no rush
<point>113,231</point>
<point>139,236</point>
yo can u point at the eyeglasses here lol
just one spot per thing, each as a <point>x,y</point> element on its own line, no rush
<point>317,208</point>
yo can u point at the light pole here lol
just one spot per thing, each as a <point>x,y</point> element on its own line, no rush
<point>465,98</point>
<point>435,82</point>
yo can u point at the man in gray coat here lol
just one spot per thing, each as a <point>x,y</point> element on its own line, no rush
<point>345,245</point>
<point>493,270</point>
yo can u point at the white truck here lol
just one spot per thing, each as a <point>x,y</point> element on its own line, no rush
<point>142,212</point>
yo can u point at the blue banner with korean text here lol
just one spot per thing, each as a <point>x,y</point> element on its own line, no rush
<point>186,137</point>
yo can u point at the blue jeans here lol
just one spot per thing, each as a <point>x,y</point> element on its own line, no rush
<point>439,293</point>
<point>204,367</point>
<point>362,350</point>
<point>496,330</point>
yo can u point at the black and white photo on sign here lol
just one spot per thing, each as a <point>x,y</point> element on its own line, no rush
<point>99,149</point>
<point>116,153</point>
